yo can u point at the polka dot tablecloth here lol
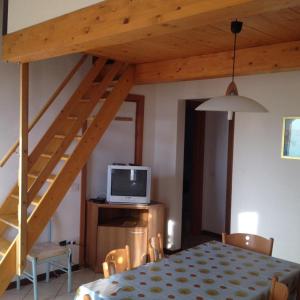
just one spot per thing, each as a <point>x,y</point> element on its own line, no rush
<point>209,271</point>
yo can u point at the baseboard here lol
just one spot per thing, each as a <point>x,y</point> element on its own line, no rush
<point>42,277</point>
<point>170,252</point>
<point>214,235</point>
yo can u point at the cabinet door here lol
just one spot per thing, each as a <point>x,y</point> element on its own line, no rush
<point>109,238</point>
<point>137,242</point>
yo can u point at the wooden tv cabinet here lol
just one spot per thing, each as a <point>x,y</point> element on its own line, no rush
<point>112,226</point>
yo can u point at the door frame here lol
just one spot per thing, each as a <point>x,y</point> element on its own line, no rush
<point>230,154</point>
<point>4,17</point>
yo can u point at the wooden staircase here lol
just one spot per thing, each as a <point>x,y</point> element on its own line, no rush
<point>98,99</point>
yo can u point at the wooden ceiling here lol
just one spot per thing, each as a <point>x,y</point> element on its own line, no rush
<point>258,30</point>
<point>160,34</point>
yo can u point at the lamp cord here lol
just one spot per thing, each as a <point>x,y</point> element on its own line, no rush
<point>234,50</point>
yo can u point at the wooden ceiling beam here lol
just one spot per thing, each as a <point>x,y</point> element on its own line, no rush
<point>115,22</point>
<point>264,59</point>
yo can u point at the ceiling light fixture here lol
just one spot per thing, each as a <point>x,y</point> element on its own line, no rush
<point>232,102</point>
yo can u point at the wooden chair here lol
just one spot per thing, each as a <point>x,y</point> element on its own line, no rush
<point>116,261</point>
<point>279,291</point>
<point>250,242</point>
<point>155,246</point>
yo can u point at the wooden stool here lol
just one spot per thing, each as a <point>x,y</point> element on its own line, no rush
<point>48,253</point>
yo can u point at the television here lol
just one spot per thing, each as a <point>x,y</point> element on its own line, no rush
<point>128,184</point>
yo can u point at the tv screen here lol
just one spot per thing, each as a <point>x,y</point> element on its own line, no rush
<point>131,183</point>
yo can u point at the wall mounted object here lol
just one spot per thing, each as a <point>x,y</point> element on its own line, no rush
<point>291,138</point>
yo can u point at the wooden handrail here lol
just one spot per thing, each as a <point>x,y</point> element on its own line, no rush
<point>45,107</point>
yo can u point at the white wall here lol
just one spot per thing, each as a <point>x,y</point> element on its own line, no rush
<point>263,183</point>
<point>215,172</point>
<point>116,146</point>
<point>24,13</point>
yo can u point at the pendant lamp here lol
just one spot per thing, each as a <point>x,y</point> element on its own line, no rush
<point>232,102</point>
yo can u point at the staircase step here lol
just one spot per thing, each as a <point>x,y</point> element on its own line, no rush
<point>85,100</point>
<point>48,155</point>
<point>4,245</point>
<point>89,93</point>
<point>51,178</point>
<point>10,219</point>
<point>34,202</point>
<point>128,119</point>
<point>72,118</point>
<point>61,137</point>
<point>109,88</point>
<point>113,83</point>
<point>118,118</point>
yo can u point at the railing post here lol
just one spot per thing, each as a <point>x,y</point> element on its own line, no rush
<point>23,165</point>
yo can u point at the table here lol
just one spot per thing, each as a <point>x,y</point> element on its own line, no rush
<point>209,271</point>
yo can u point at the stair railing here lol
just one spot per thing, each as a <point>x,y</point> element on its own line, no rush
<point>67,79</point>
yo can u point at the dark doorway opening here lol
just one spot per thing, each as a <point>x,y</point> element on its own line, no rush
<point>3,16</point>
<point>206,199</point>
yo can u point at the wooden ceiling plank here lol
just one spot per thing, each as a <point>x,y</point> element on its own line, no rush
<point>291,14</point>
<point>181,44</point>
<point>115,22</point>
<point>277,26</point>
<point>295,9</point>
<point>249,36</point>
<point>257,31</point>
<point>263,59</point>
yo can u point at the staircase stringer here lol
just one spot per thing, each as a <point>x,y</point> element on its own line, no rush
<point>81,154</point>
<point>78,94</point>
<point>56,192</point>
<point>83,88</point>
<point>85,112</point>
<point>8,266</point>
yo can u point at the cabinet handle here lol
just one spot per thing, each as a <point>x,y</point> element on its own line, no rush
<point>137,232</point>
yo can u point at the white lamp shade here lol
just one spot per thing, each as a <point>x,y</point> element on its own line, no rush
<point>231,104</point>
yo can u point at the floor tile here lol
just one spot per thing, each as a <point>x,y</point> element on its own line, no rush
<point>14,294</point>
<point>80,277</point>
<point>66,297</point>
<point>46,290</point>
<point>55,289</point>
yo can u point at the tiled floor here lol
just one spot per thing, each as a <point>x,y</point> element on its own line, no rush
<point>55,289</point>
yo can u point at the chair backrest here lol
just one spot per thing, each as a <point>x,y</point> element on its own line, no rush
<point>250,242</point>
<point>116,261</point>
<point>155,246</point>
<point>279,290</point>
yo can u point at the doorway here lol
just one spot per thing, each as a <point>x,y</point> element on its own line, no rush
<point>205,199</point>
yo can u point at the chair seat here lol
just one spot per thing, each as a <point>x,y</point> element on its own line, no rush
<point>46,250</point>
